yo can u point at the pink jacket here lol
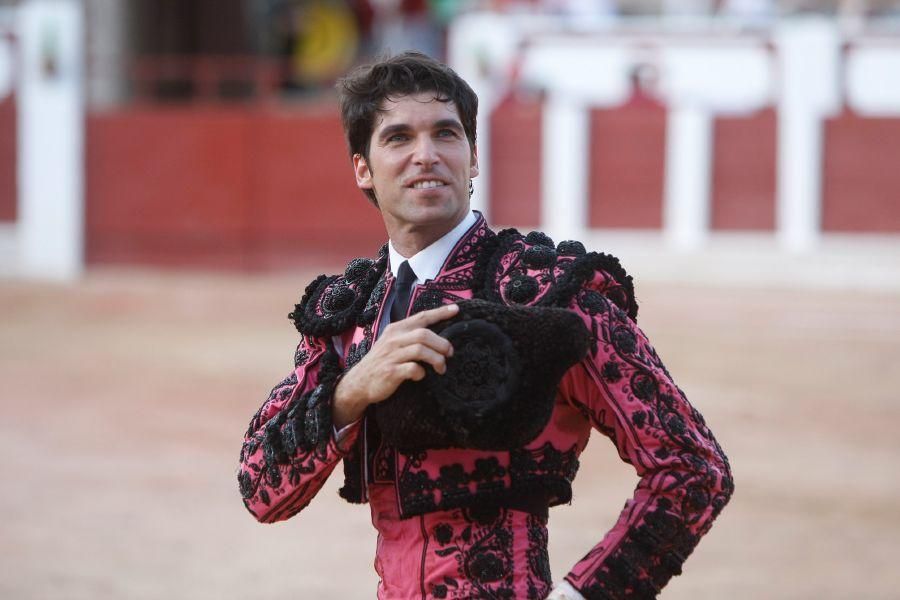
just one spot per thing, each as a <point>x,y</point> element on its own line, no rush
<point>437,538</point>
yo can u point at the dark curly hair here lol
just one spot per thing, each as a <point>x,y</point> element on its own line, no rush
<point>364,90</point>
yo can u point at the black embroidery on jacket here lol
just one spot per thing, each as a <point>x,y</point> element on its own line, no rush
<point>332,304</point>
<point>432,298</point>
<point>370,312</point>
<point>539,577</point>
<point>545,470</point>
<point>293,440</point>
<point>482,545</point>
<point>571,248</point>
<point>538,238</point>
<point>527,270</point>
<point>357,269</point>
<point>470,247</point>
<point>305,425</point>
<point>301,355</point>
<point>539,257</point>
<point>522,289</point>
<point>650,554</point>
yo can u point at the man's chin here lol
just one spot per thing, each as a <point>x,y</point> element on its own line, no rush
<point>434,208</point>
<point>438,215</point>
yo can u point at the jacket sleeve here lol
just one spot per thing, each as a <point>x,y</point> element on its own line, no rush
<point>685,480</point>
<point>289,449</point>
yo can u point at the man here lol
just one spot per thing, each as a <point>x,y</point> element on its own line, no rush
<point>460,519</point>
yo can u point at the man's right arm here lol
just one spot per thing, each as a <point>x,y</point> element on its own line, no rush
<point>291,446</point>
<point>289,449</point>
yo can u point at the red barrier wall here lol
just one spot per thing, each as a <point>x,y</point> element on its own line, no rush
<point>8,159</point>
<point>627,166</point>
<point>241,188</point>
<point>306,202</point>
<point>258,188</point>
<point>515,155</point>
<point>861,175</point>
<point>743,172</point>
<point>167,186</point>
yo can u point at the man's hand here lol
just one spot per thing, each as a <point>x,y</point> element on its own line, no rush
<point>564,591</point>
<point>399,354</point>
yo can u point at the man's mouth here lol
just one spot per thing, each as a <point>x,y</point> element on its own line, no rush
<point>427,184</point>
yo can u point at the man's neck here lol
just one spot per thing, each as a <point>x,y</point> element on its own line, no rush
<point>426,263</point>
<point>410,242</point>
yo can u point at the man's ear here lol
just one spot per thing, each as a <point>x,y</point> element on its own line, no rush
<point>473,168</point>
<point>363,173</point>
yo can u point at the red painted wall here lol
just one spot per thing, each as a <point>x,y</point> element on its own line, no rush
<point>259,188</point>
<point>305,200</point>
<point>515,155</point>
<point>8,159</point>
<point>223,187</point>
<point>167,186</point>
<point>861,175</point>
<point>627,166</point>
<point>743,172</point>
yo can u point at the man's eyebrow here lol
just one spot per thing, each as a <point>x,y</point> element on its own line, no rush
<point>451,123</point>
<point>392,129</point>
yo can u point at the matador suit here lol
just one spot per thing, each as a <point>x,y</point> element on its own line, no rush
<point>472,523</point>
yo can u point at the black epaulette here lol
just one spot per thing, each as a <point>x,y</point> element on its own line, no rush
<point>531,270</point>
<point>332,304</point>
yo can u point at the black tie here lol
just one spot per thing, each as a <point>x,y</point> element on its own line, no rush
<point>405,279</point>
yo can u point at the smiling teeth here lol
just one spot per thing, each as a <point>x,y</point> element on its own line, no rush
<point>424,185</point>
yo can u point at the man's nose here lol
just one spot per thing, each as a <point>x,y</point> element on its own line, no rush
<point>425,152</point>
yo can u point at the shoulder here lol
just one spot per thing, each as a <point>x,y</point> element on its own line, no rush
<point>332,304</point>
<point>531,270</point>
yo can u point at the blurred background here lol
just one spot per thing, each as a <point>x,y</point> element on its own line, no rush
<point>173,173</point>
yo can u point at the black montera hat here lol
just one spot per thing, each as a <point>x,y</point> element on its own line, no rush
<point>500,384</point>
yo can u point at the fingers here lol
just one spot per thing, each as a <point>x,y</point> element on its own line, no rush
<point>413,330</point>
<point>412,371</point>
<point>421,353</point>
<point>431,339</point>
<point>430,317</point>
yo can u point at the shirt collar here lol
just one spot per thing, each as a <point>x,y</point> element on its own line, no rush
<point>427,263</point>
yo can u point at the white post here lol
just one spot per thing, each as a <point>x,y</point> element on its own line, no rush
<point>809,61</point>
<point>51,139</point>
<point>799,187</point>
<point>687,176</point>
<point>482,47</point>
<point>564,167</point>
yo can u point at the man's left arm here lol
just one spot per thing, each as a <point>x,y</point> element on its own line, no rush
<point>685,480</point>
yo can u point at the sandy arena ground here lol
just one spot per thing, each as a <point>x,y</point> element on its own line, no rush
<point>124,398</point>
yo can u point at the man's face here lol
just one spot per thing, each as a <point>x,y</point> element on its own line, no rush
<point>419,165</point>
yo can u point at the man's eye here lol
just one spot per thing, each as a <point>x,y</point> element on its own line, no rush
<point>398,137</point>
<point>446,133</point>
